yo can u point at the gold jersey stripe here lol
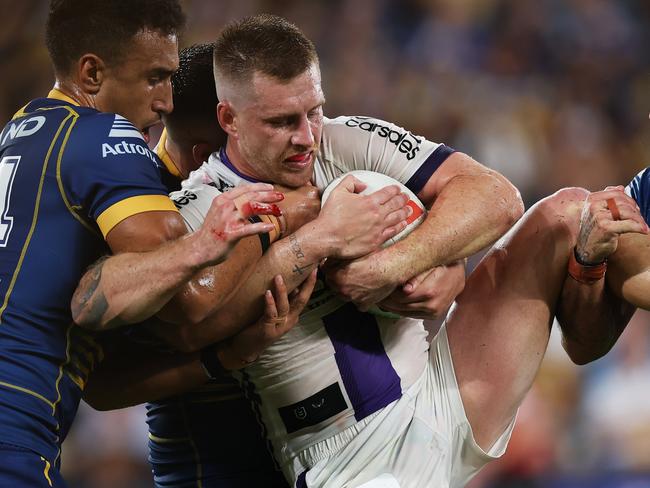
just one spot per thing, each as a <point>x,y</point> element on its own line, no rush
<point>46,470</point>
<point>28,391</point>
<point>124,209</point>
<point>165,157</point>
<point>167,440</point>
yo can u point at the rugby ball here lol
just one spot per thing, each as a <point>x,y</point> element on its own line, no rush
<point>377,181</point>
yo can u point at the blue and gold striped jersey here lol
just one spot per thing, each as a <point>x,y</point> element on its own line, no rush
<point>68,175</point>
<point>210,437</point>
<point>639,189</point>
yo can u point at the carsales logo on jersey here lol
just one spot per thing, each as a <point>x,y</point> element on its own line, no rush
<point>406,142</point>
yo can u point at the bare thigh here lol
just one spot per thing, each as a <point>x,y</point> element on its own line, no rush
<point>499,328</point>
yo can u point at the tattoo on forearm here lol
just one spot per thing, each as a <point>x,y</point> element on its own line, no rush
<point>297,252</point>
<point>89,301</point>
<point>301,269</point>
<point>583,238</point>
<point>295,247</point>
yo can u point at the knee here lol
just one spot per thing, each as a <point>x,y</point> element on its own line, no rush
<point>560,212</point>
<point>565,203</point>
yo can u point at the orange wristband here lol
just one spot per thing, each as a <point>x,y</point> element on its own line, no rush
<point>275,234</point>
<point>587,274</point>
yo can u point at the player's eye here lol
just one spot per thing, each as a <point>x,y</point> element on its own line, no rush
<point>280,122</point>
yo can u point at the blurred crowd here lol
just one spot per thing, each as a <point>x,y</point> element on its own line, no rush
<point>549,92</point>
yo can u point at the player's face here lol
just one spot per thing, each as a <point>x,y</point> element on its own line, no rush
<point>139,86</point>
<point>279,131</point>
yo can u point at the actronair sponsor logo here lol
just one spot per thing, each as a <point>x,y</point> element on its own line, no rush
<point>406,142</point>
<point>124,147</point>
<point>122,128</point>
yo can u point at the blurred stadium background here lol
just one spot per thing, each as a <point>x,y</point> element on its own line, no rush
<point>549,92</point>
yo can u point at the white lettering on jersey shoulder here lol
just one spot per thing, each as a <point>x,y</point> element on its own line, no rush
<point>123,128</point>
<point>352,143</point>
<point>193,201</point>
<point>24,128</point>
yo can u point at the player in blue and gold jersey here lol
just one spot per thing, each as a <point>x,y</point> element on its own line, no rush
<point>77,179</point>
<point>209,437</point>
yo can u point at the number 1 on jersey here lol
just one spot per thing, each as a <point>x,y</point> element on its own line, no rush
<point>8,166</point>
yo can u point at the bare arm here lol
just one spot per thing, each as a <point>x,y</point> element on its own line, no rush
<point>132,286</point>
<point>592,316</point>
<point>336,232</point>
<point>133,373</point>
<point>628,275</point>
<point>470,207</point>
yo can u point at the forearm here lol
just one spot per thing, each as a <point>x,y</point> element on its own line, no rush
<point>591,319</point>
<point>130,287</point>
<point>132,374</point>
<point>212,287</point>
<point>293,257</point>
<point>628,273</point>
<point>470,213</point>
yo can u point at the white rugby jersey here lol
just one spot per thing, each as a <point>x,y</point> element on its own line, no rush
<point>338,366</point>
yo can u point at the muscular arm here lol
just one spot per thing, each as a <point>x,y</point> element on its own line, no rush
<point>628,274</point>
<point>134,285</point>
<point>470,207</point>
<point>592,319</point>
<point>133,373</point>
<point>333,233</point>
<point>593,316</point>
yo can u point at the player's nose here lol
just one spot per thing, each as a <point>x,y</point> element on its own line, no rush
<point>303,135</point>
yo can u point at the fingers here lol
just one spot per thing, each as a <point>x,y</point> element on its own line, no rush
<point>242,190</point>
<point>617,212</point>
<point>351,184</point>
<point>616,187</point>
<point>393,230</point>
<point>303,293</point>
<point>247,230</point>
<point>613,208</point>
<point>280,296</point>
<point>411,285</point>
<point>257,208</point>
<point>270,310</point>
<point>388,193</point>
<point>255,199</point>
<point>395,220</point>
<point>636,224</point>
<point>615,193</point>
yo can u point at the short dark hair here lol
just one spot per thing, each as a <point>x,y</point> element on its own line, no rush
<point>105,27</point>
<point>195,96</point>
<point>265,43</point>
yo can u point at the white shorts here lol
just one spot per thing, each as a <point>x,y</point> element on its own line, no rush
<point>421,440</point>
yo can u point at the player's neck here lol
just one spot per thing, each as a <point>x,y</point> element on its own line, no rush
<point>74,92</point>
<point>238,161</point>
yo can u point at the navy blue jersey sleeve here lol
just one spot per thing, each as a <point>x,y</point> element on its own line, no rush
<point>108,173</point>
<point>639,189</point>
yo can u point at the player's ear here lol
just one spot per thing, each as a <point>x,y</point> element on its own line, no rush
<point>200,153</point>
<point>227,119</point>
<point>90,72</point>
